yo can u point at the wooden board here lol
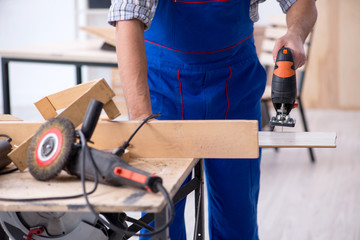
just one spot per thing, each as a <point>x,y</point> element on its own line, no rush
<point>168,139</point>
<point>75,100</point>
<point>349,35</point>
<point>297,139</point>
<point>181,139</point>
<point>334,63</point>
<point>8,117</point>
<point>105,33</point>
<point>105,199</point>
<point>77,50</point>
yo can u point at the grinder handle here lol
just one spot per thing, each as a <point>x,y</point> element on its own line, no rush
<point>113,170</point>
<point>91,118</point>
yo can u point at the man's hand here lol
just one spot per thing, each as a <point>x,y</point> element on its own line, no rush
<point>294,42</point>
<point>300,19</point>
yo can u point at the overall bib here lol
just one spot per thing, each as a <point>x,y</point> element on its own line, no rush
<point>202,64</point>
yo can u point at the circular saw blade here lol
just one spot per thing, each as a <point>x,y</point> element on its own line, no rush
<point>50,148</point>
<point>56,225</point>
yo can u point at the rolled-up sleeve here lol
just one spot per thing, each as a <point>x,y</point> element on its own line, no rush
<point>142,10</point>
<point>286,4</point>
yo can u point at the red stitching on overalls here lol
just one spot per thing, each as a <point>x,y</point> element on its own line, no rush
<point>181,95</point>
<point>227,93</point>
<point>220,50</point>
<point>209,1</point>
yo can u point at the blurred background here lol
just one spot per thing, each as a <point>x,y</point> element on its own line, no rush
<point>298,199</point>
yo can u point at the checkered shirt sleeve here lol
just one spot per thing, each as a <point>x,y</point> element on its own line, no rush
<point>143,10</point>
<point>254,13</point>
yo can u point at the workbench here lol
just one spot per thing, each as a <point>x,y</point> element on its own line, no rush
<point>106,198</point>
<point>78,53</point>
<point>168,148</point>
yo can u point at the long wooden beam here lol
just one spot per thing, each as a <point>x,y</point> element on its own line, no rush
<point>163,139</point>
<point>297,139</point>
<point>185,139</point>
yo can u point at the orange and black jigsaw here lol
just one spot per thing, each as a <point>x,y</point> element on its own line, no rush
<point>283,89</point>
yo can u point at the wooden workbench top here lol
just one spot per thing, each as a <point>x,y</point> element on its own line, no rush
<point>105,199</point>
<point>70,51</point>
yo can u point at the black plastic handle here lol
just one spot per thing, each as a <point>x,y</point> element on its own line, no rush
<point>91,118</point>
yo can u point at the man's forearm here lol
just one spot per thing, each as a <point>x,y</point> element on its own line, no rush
<point>133,67</point>
<point>301,18</point>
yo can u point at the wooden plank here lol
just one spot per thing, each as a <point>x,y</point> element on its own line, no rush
<point>97,89</point>
<point>64,98</point>
<point>19,131</point>
<point>178,139</point>
<point>182,139</point>
<point>348,84</point>
<point>45,108</point>
<point>105,33</point>
<point>8,117</point>
<point>168,139</point>
<point>75,50</point>
<point>323,76</point>
<point>105,199</point>
<point>111,109</point>
<point>297,139</point>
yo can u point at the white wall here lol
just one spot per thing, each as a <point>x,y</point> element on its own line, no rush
<point>25,22</point>
<point>270,7</point>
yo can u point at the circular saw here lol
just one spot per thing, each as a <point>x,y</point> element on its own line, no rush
<point>52,225</point>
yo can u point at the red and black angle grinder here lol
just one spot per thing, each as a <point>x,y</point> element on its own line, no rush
<point>55,147</point>
<point>283,89</point>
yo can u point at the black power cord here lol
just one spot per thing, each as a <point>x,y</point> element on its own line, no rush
<point>8,171</point>
<point>7,136</point>
<point>120,151</point>
<point>85,151</point>
<point>159,186</point>
<point>39,199</point>
<point>8,148</point>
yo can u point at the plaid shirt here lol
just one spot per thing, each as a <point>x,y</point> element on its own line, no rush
<point>144,10</point>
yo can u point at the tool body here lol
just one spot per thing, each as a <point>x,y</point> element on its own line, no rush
<point>112,170</point>
<point>283,89</point>
<point>54,148</point>
<point>5,149</point>
<point>57,146</point>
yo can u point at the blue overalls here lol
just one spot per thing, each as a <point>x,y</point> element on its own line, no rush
<point>202,64</point>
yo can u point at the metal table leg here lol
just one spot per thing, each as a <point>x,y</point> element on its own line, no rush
<point>5,85</point>
<point>161,219</point>
<point>78,74</point>
<point>199,202</point>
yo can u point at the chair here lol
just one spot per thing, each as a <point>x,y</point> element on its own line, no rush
<point>276,29</point>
